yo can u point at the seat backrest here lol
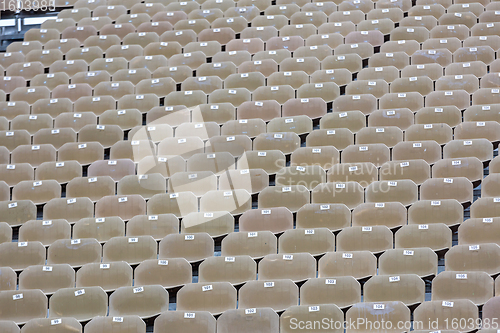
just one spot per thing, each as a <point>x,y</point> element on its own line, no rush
<point>79,303</point>
<point>277,294</point>
<point>49,279</point>
<point>176,320</point>
<point>107,324</point>
<point>75,252</point>
<point>192,247</point>
<point>169,273</point>
<point>420,261</point>
<point>358,264</point>
<point>435,236</point>
<point>407,288</point>
<point>22,305</point>
<point>215,297</point>
<point>108,276</point>
<point>255,244</point>
<point>297,267</point>
<point>146,301</point>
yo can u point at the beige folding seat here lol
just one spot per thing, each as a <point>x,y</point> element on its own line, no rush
<point>10,58</point>
<point>451,43</point>
<point>308,65</point>
<point>71,66</point>
<point>477,258</point>
<point>129,249</point>
<point>440,56</point>
<point>235,202</point>
<point>23,47</point>
<point>434,9</point>
<point>55,137</point>
<point>215,297</point>
<point>210,14</point>
<point>132,323</point>
<point>389,136</point>
<point>480,148</point>
<point>490,80</point>
<point>365,103</point>
<point>266,67</point>
<point>492,41</point>
<point>219,113</point>
<point>21,306</point>
<point>351,62</point>
<point>406,288</point>
<point>384,25</point>
<point>314,241</point>
<point>135,76</point>
<point>223,35</point>
<point>12,174</point>
<point>323,156</point>
<point>53,106</point>
<point>252,45</point>
<point>157,226</point>
<point>31,123</point>
<point>71,210</point>
<point>102,229</point>
<point>149,62</point>
<point>198,183</point>
<point>20,255</point>
<point>477,231</point>
<point>146,301</point>
<point>30,95</point>
<point>75,252</point>
<point>433,70</point>
<point>162,165</point>
<point>349,193</point>
<point>264,33</point>
<point>188,98</point>
<point>120,30</point>
<point>419,34</point>
<point>96,105</point>
<point>460,31</point>
<point>112,206</point>
<point>373,37</point>
<point>484,208</point>
<point>436,236</point>
<point>10,110</point>
<point>446,211</point>
<point>489,186</point>
<point>255,243</point>
<point>9,326</point>
<point>265,110</point>
<point>276,220</point>
<point>163,48</point>
<point>41,35</point>
<point>397,59</point>
<point>292,197</point>
<point>176,320</point>
<point>375,239</point>
<point>331,216</point>
<point>192,247</point>
<point>49,279</point>
<point>117,169</point>
<point>35,155</point>
<point>394,312</point>
<point>216,163</point>
<point>426,21</point>
<point>278,21</point>
<point>447,188</point>
<point>441,133</point>
<point>220,69</point>
<point>310,176</point>
<point>9,84</point>
<point>416,170</point>
<point>108,276</point>
<point>203,83</point>
<point>300,125</point>
<point>45,232</point>
<point>136,19</point>
<point>284,293</point>
<point>421,261</point>
<point>282,9</point>
<point>375,153</point>
<point>143,103</point>
<point>179,204</point>
<point>236,24</point>
<point>477,68</point>
<point>339,138</point>
<point>412,100</point>
<point>377,88</point>
<point>469,83</point>
<point>175,272</point>
<point>449,285</point>
<point>248,320</point>
<point>423,85</point>
<point>114,89</point>
<point>358,264</point>
<point>270,161</point>
<point>236,270</point>
<point>328,91</point>
<point>46,57</point>
<point>310,314</point>
<point>297,267</point>
<point>144,185</point>
<point>340,76</point>
<point>81,33</point>
<point>74,152</point>
<point>111,65</point>
<point>286,142</point>
<point>486,96</point>
<point>343,291</point>
<point>14,139</point>
<point>72,91</point>
<point>390,214</point>
<point>331,40</point>
<point>468,167</point>
<point>242,130</point>
<point>459,98</point>
<point>318,51</point>
<point>216,224</point>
